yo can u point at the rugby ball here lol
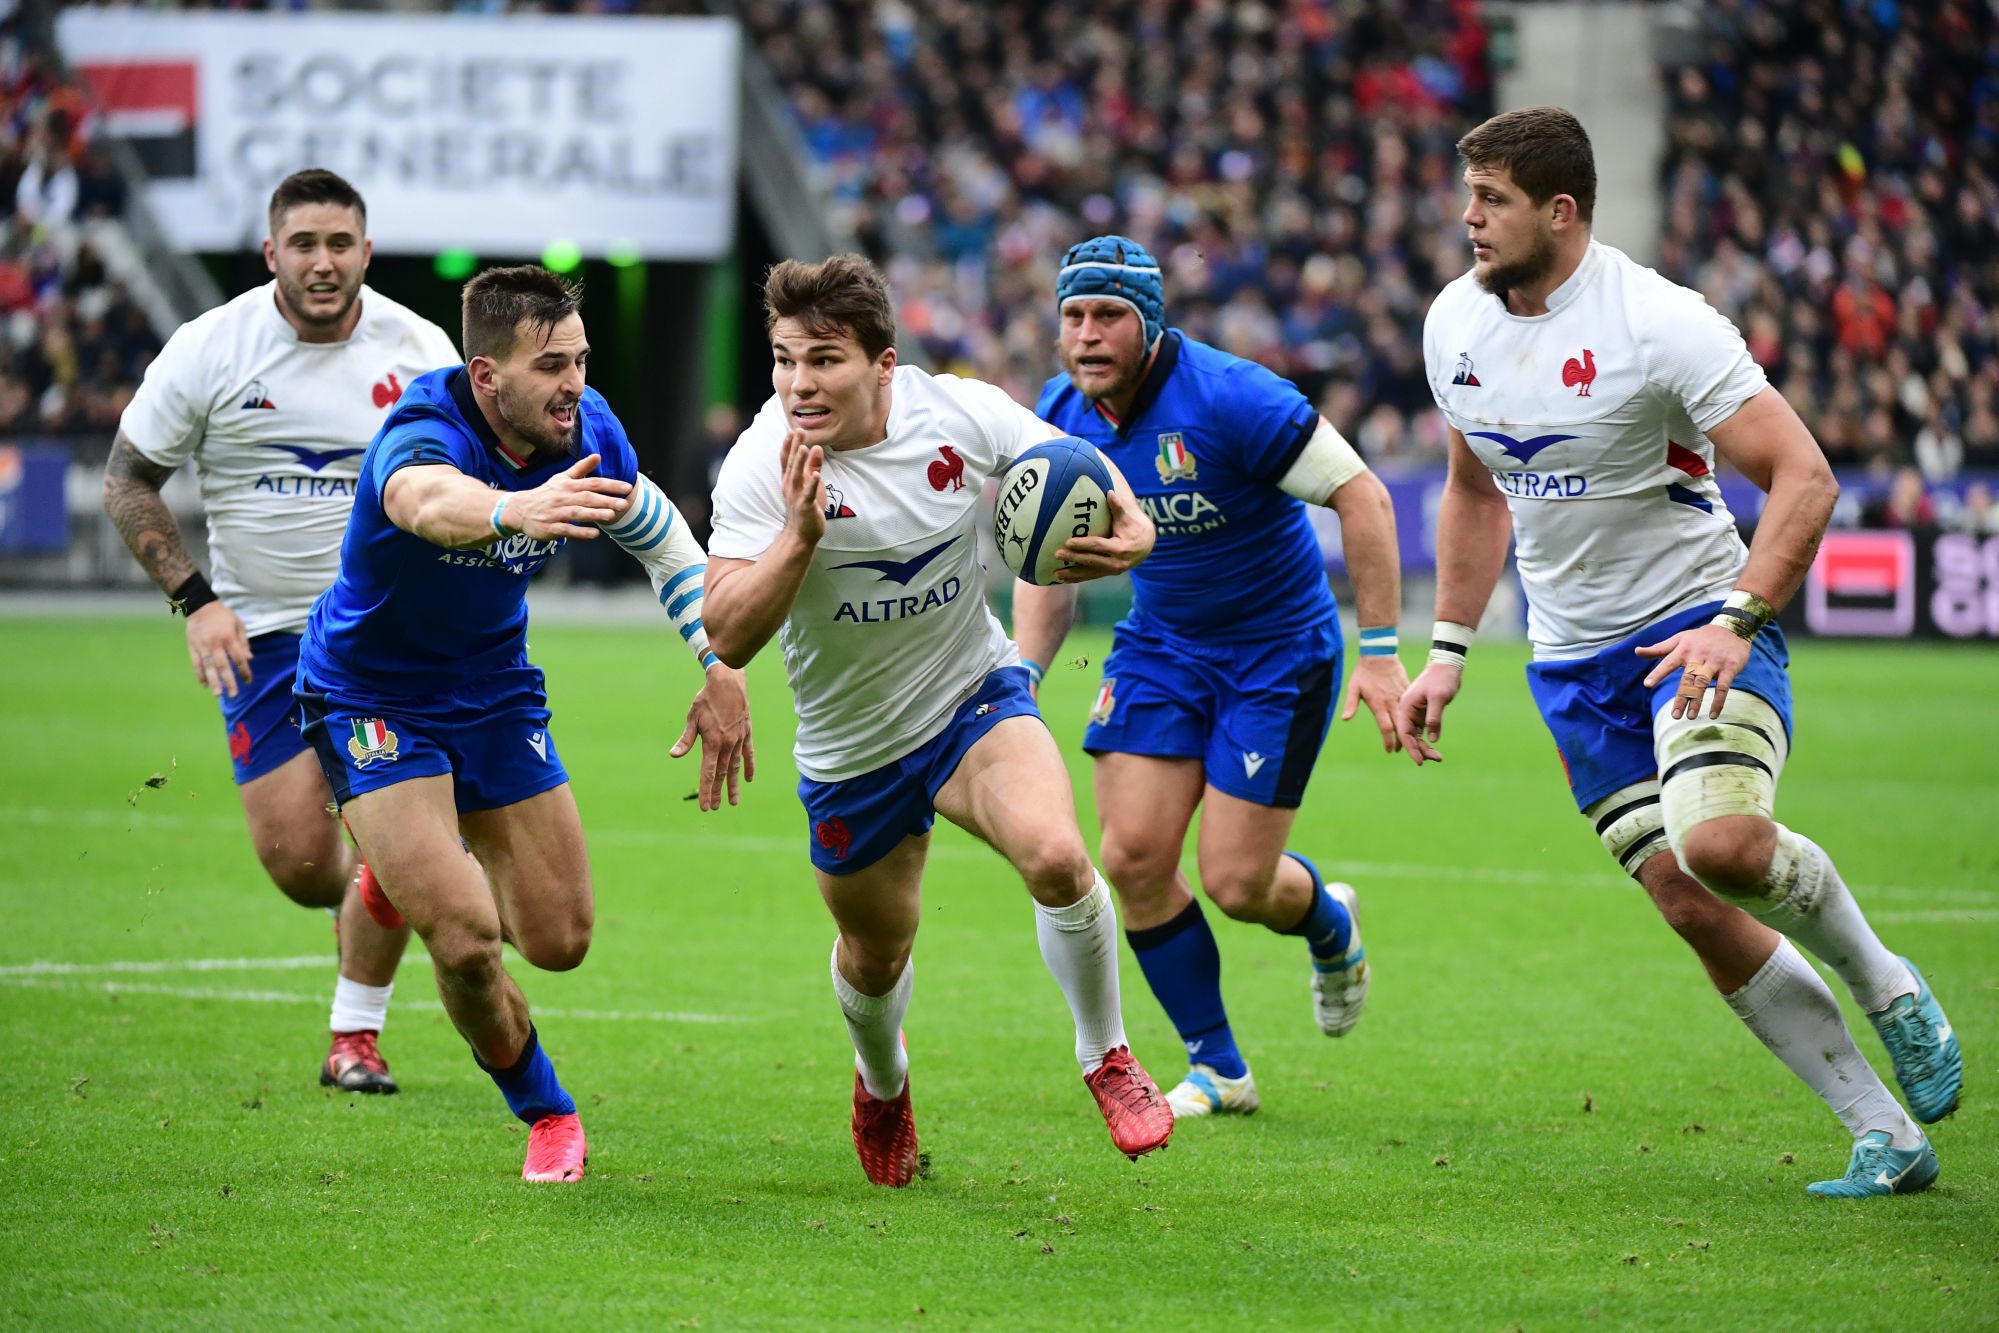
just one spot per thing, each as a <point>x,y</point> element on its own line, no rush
<point>1053,492</point>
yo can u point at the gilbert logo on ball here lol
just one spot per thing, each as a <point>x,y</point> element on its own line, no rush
<point>1053,492</point>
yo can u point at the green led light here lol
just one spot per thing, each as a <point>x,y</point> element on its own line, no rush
<point>455,265</point>
<point>562,256</point>
<point>625,254</point>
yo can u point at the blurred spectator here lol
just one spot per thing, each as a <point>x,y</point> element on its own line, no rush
<point>1292,162</point>
<point>1978,514</point>
<point>1832,185</point>
<point>73,344</point>
<point>1906,504</point>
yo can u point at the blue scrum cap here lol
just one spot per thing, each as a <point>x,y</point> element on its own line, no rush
<point>1115,268</point>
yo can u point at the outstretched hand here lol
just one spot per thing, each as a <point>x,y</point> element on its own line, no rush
<point>1381,682</point>
<point>1419,718</point>
<point>720,717</point>
<point>572,503</point>
<point>219,649</point>
<point>1706,655</point>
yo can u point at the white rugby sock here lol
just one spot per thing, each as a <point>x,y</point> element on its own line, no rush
<point>874,1024</point>
<point>358,1008</point>
<point>1792,1012</point>
<point>1806,900</point>
<point>1079,945</point>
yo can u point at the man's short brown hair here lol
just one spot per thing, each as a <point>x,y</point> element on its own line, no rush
<point>1543,148</point>
<point>498,302</point>
<point>845,295</point>
<point>314,185</point>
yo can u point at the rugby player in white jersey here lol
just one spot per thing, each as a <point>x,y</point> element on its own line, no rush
<point>274,396</point>
<point>846,521</point>
<point>1588,399</point>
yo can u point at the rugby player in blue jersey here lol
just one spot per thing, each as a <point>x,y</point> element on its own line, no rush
<point>429,721</point>
<point>1219,687</point>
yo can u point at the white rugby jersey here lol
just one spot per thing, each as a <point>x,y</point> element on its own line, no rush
<point>276,428</point>
<point>890,631</point>
<point>1593,419</point>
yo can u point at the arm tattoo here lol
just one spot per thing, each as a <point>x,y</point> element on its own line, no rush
<point>132,499</point>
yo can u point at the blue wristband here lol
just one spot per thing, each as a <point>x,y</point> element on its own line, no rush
<point>1033,671</point>
<point>1380,641</point>
<point>499,531</point>
<point>710,660</point>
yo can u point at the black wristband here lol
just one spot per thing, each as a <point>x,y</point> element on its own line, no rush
<point>193,594</point>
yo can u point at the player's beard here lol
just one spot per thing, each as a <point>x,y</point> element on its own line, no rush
<point>1499,279</point>
<point>527,416</point>
<point>297,299</point>
<point>1127,372</point>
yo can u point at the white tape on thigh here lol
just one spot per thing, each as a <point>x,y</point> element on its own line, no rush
<point>1631,824</point>
<point>1712,767</point>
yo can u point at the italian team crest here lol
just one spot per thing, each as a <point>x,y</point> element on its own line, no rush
<point>1175,463</point>
<point>1100,711</point>
<point>372,740</point>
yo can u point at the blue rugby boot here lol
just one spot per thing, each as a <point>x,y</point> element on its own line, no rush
<point>1919,1039</point>
<point>1878,1169</point>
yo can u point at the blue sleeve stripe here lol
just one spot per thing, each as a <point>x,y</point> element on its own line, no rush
<point>689,630</point>
<point>648,543</point>
<point>639,519</point>
<point>682,602</point>
<point>673,584</point>
<point>1306,430</point>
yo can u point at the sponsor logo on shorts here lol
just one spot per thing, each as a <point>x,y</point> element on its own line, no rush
<point>1174,462</point>
<point>834,837</point>
<point>1100,712</point>
<point>372,741</point>
<point>538,740</point>
<point>239,742</point>
<point>1251,762</point>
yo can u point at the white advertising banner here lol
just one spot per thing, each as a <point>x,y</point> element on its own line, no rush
<point>496,135</point>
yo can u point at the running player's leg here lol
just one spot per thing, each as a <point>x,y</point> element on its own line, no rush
<point>285,804</point>
<point>1145,803</point>
<point>1251,877</point>
<point>1273,706</point>
<point>876,910</point>
<point>304,851</point>
<point>1010,789</point>
<point>533,855</point>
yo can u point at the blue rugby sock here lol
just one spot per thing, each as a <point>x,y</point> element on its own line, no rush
<point>529,1084</point>
<point>1184,969</point>
<point>1327,928</point>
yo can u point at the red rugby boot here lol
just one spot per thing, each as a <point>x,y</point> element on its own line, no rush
<point>378,904</point>
<point>885,1135</point>
<point>356,1065</point>
<point>1139,1118</point>
<point>556,1149</point>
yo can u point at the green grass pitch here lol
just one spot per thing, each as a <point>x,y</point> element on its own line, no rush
<point>1545,1120</point>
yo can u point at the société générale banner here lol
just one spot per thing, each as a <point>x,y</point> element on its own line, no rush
<point>496,135</point>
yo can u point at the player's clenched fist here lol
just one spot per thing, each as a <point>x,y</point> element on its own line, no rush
<point>568,504</point>
<point>804,487</point>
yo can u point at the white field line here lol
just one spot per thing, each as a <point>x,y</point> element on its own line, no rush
<point>45,969</point>
<point>727,842</point>
<point>292,997</point>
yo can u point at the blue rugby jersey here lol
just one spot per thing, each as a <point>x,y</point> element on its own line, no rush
<point>1205,442</point>
<point>410,619</point>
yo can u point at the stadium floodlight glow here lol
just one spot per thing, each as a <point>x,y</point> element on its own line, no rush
<point>625,254</point>
<point>562,256</point>
<point>455,265</point>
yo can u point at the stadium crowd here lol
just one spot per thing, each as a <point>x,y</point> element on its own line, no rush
<point>1291,162</point>
<point>73,344</point>
<point>1832,185</point>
